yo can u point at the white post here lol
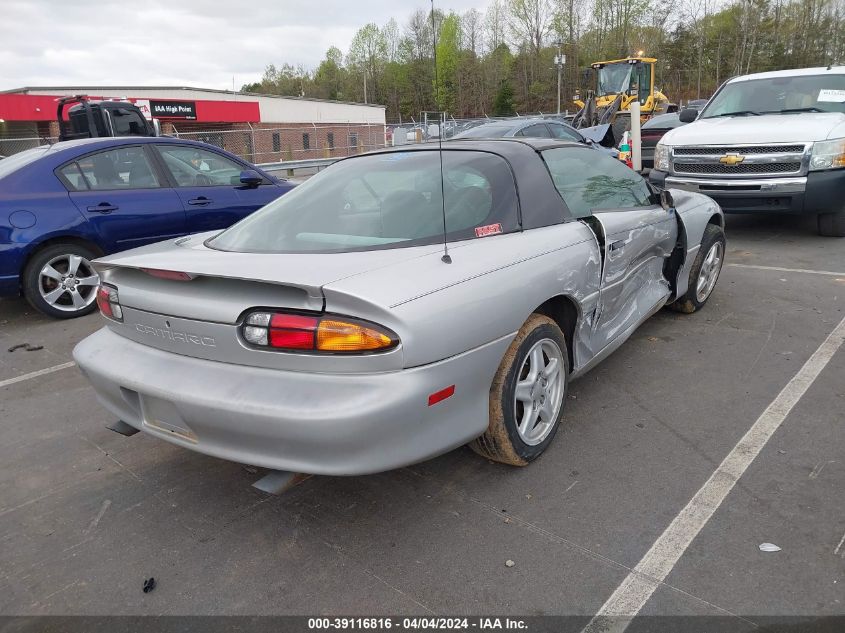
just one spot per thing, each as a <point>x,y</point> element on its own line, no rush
<point>636,148</point>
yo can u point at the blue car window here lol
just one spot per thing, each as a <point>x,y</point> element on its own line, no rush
<point>72,177</point>
<point>588,181</point>
<point>197,167</point>
<point>120,168</point>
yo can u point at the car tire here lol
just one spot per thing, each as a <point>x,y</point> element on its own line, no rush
<point>832,224</point>
<point>510,437</point>
<point>712,246</point>
<point>42,290</point>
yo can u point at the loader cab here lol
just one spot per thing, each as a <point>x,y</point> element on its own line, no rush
<point>87,119</point>
<point>633,77</point>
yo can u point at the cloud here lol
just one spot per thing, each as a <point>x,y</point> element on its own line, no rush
<point>203,43</point>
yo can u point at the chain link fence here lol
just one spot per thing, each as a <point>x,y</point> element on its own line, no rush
<point>266,143</point>
<point>12,145</point>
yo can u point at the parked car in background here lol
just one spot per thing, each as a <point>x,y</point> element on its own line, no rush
<point>63,205</point>
<point>769,142</point>
<point>329,333</point>
<point>538,128</point>
<point>653,130</point>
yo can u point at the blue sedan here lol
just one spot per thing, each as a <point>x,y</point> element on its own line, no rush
<point>63,205</point>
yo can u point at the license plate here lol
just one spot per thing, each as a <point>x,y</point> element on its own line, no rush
<point>163,416</point>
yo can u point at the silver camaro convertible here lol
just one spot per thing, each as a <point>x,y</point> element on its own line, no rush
<point>331,333</point>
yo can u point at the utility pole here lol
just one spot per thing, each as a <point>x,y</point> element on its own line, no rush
<point>560,61</point>
<point>365,85</point>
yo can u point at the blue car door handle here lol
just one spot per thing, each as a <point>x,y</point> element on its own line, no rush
<point>103,207</point>
<point>201,201</point>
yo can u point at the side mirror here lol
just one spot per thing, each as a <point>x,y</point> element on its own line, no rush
<point>666,200</point>
<point>688,115</point>
<point>251,178</point>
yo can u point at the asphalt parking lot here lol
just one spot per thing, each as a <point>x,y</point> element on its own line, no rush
<point>86,514</point>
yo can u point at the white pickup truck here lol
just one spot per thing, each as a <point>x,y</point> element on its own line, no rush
<point>769,142</point>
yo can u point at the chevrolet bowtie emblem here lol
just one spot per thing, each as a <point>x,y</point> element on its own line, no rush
<point>731,159</point>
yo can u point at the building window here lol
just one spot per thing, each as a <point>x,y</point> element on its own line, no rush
<point>353,140</point>
<point>330,140</point>
<point>277,142</point>
<point>306,141</point>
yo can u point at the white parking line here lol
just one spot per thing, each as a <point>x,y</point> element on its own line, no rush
<point>36,374</point>
<point>618,611</point>
<point>806,271</point>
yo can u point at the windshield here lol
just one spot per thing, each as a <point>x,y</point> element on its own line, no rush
<point>16,161</point>
<point>614,78</point>
<point>386,200</point>
<point>807,93</point>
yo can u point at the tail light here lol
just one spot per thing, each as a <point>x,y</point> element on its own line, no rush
<point>287,331</point>
<point>109,303</point>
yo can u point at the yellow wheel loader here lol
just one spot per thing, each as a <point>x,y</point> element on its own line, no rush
<point>618,83</point>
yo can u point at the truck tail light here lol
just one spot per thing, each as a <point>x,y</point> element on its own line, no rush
<point>287,331</point>
<point>109,303</point>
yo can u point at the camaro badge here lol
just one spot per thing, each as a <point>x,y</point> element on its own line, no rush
<point>731,159</point>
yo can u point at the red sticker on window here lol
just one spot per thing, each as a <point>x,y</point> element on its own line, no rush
<point>490,229</point>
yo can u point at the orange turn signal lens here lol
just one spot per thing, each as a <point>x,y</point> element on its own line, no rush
<point>342,336</point>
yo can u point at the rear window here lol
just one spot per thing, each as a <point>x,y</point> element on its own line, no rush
<point>662,122</point>
<point>486,131</point>
<point>21,159</point>
<point>379,201</point>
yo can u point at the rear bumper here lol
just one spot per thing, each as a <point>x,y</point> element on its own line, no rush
<point>332,424</point>
<point>819,192</point>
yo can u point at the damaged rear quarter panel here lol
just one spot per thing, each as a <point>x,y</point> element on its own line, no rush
<point>488,291</point>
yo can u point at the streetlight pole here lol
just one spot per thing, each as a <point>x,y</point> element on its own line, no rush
<point>560,60</point>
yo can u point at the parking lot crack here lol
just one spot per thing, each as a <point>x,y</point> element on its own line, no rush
<point>124,468</point>
<point>765,345</point>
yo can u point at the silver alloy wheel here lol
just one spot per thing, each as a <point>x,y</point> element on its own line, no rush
<point>68,283</point>
<point>709,272</point>
<point>539,391</point>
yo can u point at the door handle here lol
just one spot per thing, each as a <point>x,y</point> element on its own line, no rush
<point>103,207</point>
<point>615,246</point>
<point>201,201</point>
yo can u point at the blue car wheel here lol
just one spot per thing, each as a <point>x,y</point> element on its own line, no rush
<point>61,282</point>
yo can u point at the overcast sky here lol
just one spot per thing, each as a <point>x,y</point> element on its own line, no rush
<point>201,43</point>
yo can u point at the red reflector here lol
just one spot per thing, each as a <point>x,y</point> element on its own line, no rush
<point>292,339</point>
<point>439,396</point>
<point>293,322</point>
<point>173,275</point>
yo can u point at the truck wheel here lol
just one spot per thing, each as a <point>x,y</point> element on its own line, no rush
<point>832,224</point>
<point>527,395</point>
<point>705,271</point>
<point>60,281</point>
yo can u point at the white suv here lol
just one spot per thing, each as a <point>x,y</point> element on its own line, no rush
<point>768,142</point>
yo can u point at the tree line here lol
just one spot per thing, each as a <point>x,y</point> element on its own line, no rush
<point>502,61</point>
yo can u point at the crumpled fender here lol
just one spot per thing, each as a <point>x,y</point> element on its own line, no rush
<point>694,211</point>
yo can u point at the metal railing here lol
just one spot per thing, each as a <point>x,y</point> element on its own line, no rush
<point>289,166</point>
